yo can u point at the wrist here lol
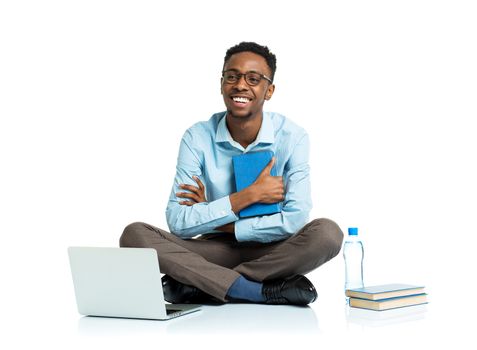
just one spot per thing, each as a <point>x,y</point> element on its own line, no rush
<point>227,228</point>
<point>253,193</point>
<point>244,198</point>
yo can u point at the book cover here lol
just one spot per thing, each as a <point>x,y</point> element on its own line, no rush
<point>384,291</point>
<point>390,303</point>
<point>247,168</point>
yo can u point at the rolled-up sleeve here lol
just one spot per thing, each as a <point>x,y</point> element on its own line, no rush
<point>296,206</point>
<point>189,221</point>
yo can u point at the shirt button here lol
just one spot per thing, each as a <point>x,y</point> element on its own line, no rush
<point>222,212</point>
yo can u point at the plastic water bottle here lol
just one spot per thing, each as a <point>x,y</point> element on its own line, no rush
<point>353,253</point>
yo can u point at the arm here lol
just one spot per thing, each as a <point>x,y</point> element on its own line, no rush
<point>266,189</point>
<point>296,206</point>
<point>187,221</point>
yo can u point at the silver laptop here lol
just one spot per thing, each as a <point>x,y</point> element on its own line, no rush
<point>121,282</point>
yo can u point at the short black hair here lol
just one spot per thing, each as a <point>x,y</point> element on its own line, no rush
<point>247,46</point>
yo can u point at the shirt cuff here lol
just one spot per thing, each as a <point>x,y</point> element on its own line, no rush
<point>244,230</point>
<point>221,209</point>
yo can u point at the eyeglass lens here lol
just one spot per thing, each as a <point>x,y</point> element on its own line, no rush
<point>250,77</point>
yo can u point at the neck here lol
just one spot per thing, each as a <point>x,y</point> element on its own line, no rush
<point>244,130</point>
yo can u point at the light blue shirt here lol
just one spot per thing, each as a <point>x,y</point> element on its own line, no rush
<point>206,151</point>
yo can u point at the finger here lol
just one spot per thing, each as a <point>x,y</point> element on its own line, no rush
<point>269,167</point>
<point>271,164</point>
<point>190,188</point>
<point>192,196</point>
<point>187,195</point>
<point>186,203</point>
<point>201,185</point>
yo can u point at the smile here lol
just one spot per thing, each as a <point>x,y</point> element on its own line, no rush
<point>241,100</point>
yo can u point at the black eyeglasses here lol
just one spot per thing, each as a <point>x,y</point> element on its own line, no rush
<point>251,78</point>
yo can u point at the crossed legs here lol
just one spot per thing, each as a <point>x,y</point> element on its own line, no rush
<point>212,265</point>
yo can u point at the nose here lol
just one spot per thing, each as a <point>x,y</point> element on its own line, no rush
<point>241,84</point>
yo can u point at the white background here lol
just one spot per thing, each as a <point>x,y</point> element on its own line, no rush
<point>95,96</point>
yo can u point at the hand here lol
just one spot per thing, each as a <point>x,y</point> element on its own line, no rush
<point>196,194</point>
<point>227,228</point>
<point>270,188</point>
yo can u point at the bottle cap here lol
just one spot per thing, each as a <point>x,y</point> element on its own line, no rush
<point>353,231</point>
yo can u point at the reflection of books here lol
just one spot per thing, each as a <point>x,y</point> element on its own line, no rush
<point>371,318</point>
<point>389,303</point>
<point>384,291</point>
<point>247,168</point>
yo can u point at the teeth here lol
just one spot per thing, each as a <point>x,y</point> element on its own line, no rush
<point>241,99</point>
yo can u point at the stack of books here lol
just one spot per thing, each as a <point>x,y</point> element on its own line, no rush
<point>385,297</point>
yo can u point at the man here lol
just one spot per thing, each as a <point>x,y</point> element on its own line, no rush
<point>212,255</point>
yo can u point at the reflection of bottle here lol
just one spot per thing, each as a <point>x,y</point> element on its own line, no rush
<point>353,253</point>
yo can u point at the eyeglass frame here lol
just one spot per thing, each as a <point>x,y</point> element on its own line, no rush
<point>240,75</point>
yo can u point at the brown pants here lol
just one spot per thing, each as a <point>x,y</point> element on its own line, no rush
<point>212,263</point>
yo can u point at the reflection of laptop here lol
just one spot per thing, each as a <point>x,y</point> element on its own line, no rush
<point>121,282</point>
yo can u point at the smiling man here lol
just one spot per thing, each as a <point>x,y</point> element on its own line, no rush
<point>214,256</point>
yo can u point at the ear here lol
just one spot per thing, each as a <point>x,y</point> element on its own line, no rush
<point>221,86</point>
<point>269,93</point>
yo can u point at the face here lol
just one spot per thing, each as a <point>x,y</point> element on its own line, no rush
<point>241,99</point>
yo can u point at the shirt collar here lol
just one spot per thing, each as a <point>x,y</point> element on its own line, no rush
<point>265,135</point>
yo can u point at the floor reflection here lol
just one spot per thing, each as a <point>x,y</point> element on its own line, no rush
<point>371,318</point>
<point>230,318</point>
<point>250,318</point>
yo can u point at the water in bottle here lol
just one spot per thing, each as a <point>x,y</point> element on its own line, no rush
<point>353,253</point>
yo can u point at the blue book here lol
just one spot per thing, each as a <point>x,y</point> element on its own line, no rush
<point>384,291</point>
<point>247,168</point>
<point>390,303</point>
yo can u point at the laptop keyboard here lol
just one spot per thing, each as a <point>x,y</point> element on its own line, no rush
<point>172,311</point>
